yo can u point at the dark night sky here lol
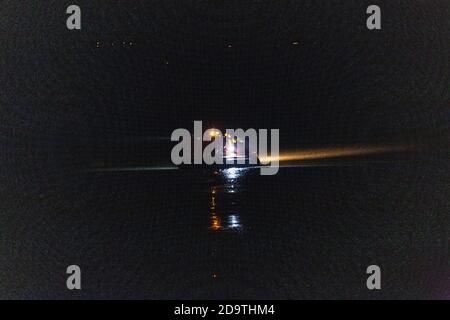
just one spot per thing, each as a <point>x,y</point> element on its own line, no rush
<point>309,68</point>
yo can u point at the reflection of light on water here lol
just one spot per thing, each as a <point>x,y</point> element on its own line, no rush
<point>230,188</point>
<point>233,173</point>
<point>215,223</point>
<point>234,222</point>
<point>219,221</point>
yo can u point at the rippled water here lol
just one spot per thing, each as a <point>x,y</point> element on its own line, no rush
<point>304,233</point>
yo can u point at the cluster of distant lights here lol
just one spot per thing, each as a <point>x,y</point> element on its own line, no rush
<point>103,44</point>
<point>126,44</point>
<point>100,44</point>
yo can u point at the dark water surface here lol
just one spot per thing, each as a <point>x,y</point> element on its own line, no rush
<point>305,233</point>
